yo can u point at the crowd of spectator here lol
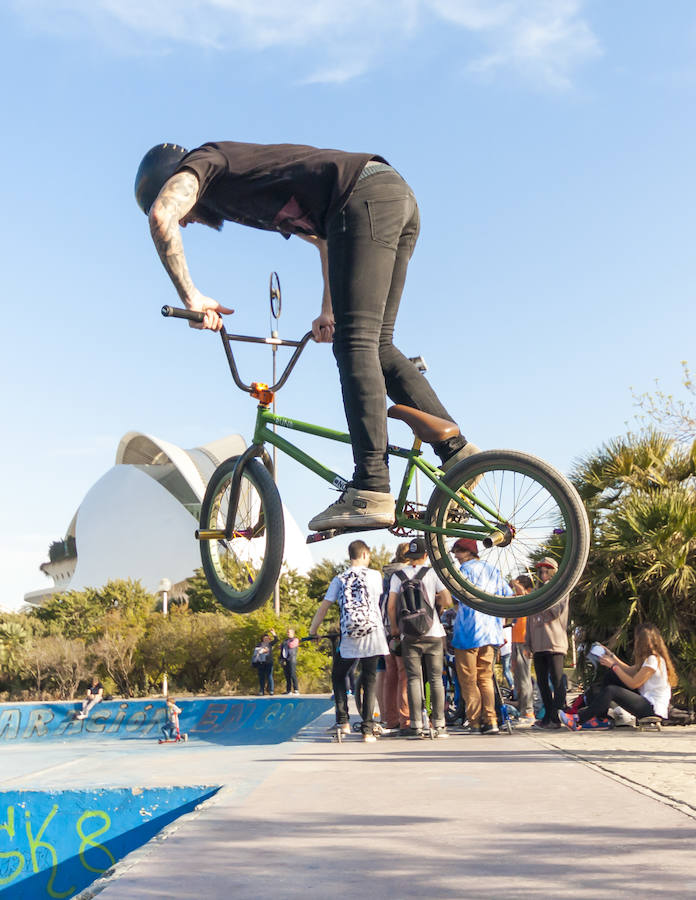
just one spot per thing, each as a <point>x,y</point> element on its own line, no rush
<point>427,661</point>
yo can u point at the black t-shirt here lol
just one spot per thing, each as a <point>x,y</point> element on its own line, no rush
<point>95,688</point>
<point>290,188</point>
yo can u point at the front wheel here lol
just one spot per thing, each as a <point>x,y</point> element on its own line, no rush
<point>537,511</point>
<point>242,572</point>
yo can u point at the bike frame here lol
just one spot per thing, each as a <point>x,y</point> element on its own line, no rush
<point>407,518</point>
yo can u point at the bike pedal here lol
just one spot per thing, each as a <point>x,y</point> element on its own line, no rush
<point>317,536</point>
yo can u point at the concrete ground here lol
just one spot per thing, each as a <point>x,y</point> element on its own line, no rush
<point>532,814</point>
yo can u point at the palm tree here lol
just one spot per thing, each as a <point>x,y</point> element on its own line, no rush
<point>640,494</point>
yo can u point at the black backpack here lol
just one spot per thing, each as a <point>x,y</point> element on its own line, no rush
<point>414,615</point>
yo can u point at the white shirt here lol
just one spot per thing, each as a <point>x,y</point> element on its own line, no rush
<point>431,585</point>
<point>657,689</point>
<point>374,643</point>
<point>506,646</point>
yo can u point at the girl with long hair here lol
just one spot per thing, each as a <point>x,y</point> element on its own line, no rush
<point>642,689</point>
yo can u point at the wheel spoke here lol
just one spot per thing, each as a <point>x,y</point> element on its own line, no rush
<point>534,505</point>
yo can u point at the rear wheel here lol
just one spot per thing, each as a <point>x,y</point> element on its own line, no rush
<point>535,510</point>
<point>242,572</point>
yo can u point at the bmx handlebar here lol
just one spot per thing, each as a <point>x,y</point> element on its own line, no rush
<point>318,637</point>
<point>333,636</point>
<point>197,316</point>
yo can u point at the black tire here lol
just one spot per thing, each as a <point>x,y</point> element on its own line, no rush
<point>546,516</point>
<point>242,572</point>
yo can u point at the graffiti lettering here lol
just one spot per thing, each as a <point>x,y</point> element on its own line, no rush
<point>120,716</point>
<point>41,852</point>
<point>35,843</point>
<point>88,839</point>
<point>211,720</point>
<point>9,723</point>
<point>9,827</point>
<point>38,720</point>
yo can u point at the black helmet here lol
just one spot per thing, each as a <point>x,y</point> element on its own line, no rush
<point>157,166</point>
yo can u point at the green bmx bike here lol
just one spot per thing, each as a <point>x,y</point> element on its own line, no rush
<point>516,506</point>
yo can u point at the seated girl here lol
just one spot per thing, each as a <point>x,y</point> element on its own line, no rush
<point>643,689</point>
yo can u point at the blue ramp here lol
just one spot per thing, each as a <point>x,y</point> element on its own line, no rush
<point>55,843</point>
<point>222,720</point>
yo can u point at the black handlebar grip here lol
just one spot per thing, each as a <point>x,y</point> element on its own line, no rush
<point>194,315</point>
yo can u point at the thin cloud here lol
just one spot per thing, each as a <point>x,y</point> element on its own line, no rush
<point>546,40</point>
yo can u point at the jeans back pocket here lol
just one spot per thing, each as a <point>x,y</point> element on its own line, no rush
<point>387,219</point>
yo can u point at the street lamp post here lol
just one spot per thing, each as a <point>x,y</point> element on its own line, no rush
<point>276,307</point>
<point>422,367</point>
<point>164,588</point>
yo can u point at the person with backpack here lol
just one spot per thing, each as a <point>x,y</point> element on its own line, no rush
<point>395,711</point>
<point>415,593</point>
<point>357,592</point>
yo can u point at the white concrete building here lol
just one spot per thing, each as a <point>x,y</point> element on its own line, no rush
<point>138,520</point>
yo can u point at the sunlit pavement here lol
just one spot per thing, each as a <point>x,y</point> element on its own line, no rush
<point>471,816</point>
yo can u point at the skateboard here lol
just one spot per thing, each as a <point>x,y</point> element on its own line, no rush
<point>175,740</point>
<point>649,723</point>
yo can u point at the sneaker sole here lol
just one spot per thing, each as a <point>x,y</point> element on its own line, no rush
<point>348,523</point>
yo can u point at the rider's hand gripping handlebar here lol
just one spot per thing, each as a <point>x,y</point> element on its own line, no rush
<point>193,315</point>
<point>197,316</point>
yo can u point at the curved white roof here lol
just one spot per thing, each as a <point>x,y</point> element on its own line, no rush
<point>138,520</point>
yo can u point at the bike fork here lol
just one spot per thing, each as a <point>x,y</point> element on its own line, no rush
<point>255,450</point>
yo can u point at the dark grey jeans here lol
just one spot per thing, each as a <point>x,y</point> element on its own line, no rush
<point>431,652</point>
<point>339,670</point>
<point>370,243</point>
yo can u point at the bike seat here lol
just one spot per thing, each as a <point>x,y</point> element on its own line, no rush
<point>428,428</point>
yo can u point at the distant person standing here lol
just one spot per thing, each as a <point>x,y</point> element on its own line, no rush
<point>356,592</point>
<point>395,706</point>
<point>288,661</point>
<point>521,661</point>
<point>475,639</point>
<point>262,659</point>
<point>95,694</point>
<point>417,625</point>
<point>547,639</point>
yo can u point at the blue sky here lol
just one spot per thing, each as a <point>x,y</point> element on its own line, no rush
<point>550,144</point>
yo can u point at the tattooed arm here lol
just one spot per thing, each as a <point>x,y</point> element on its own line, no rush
<point>171,209</point>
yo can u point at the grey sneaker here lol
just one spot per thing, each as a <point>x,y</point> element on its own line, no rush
<point>344,728</point>
<point>356,508</point>
<point>441,732</point>
<point>466,451</point>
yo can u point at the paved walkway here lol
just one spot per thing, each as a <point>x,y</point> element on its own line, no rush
<point>526,815</point>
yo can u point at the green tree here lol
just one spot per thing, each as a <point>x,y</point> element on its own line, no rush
<point>84,614</point>
<point>640,495</point>
<point>14,641</point>
<point>200,597</point>
<point>67,664</point>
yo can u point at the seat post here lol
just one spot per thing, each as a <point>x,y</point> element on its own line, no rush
<point>408,475</point>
